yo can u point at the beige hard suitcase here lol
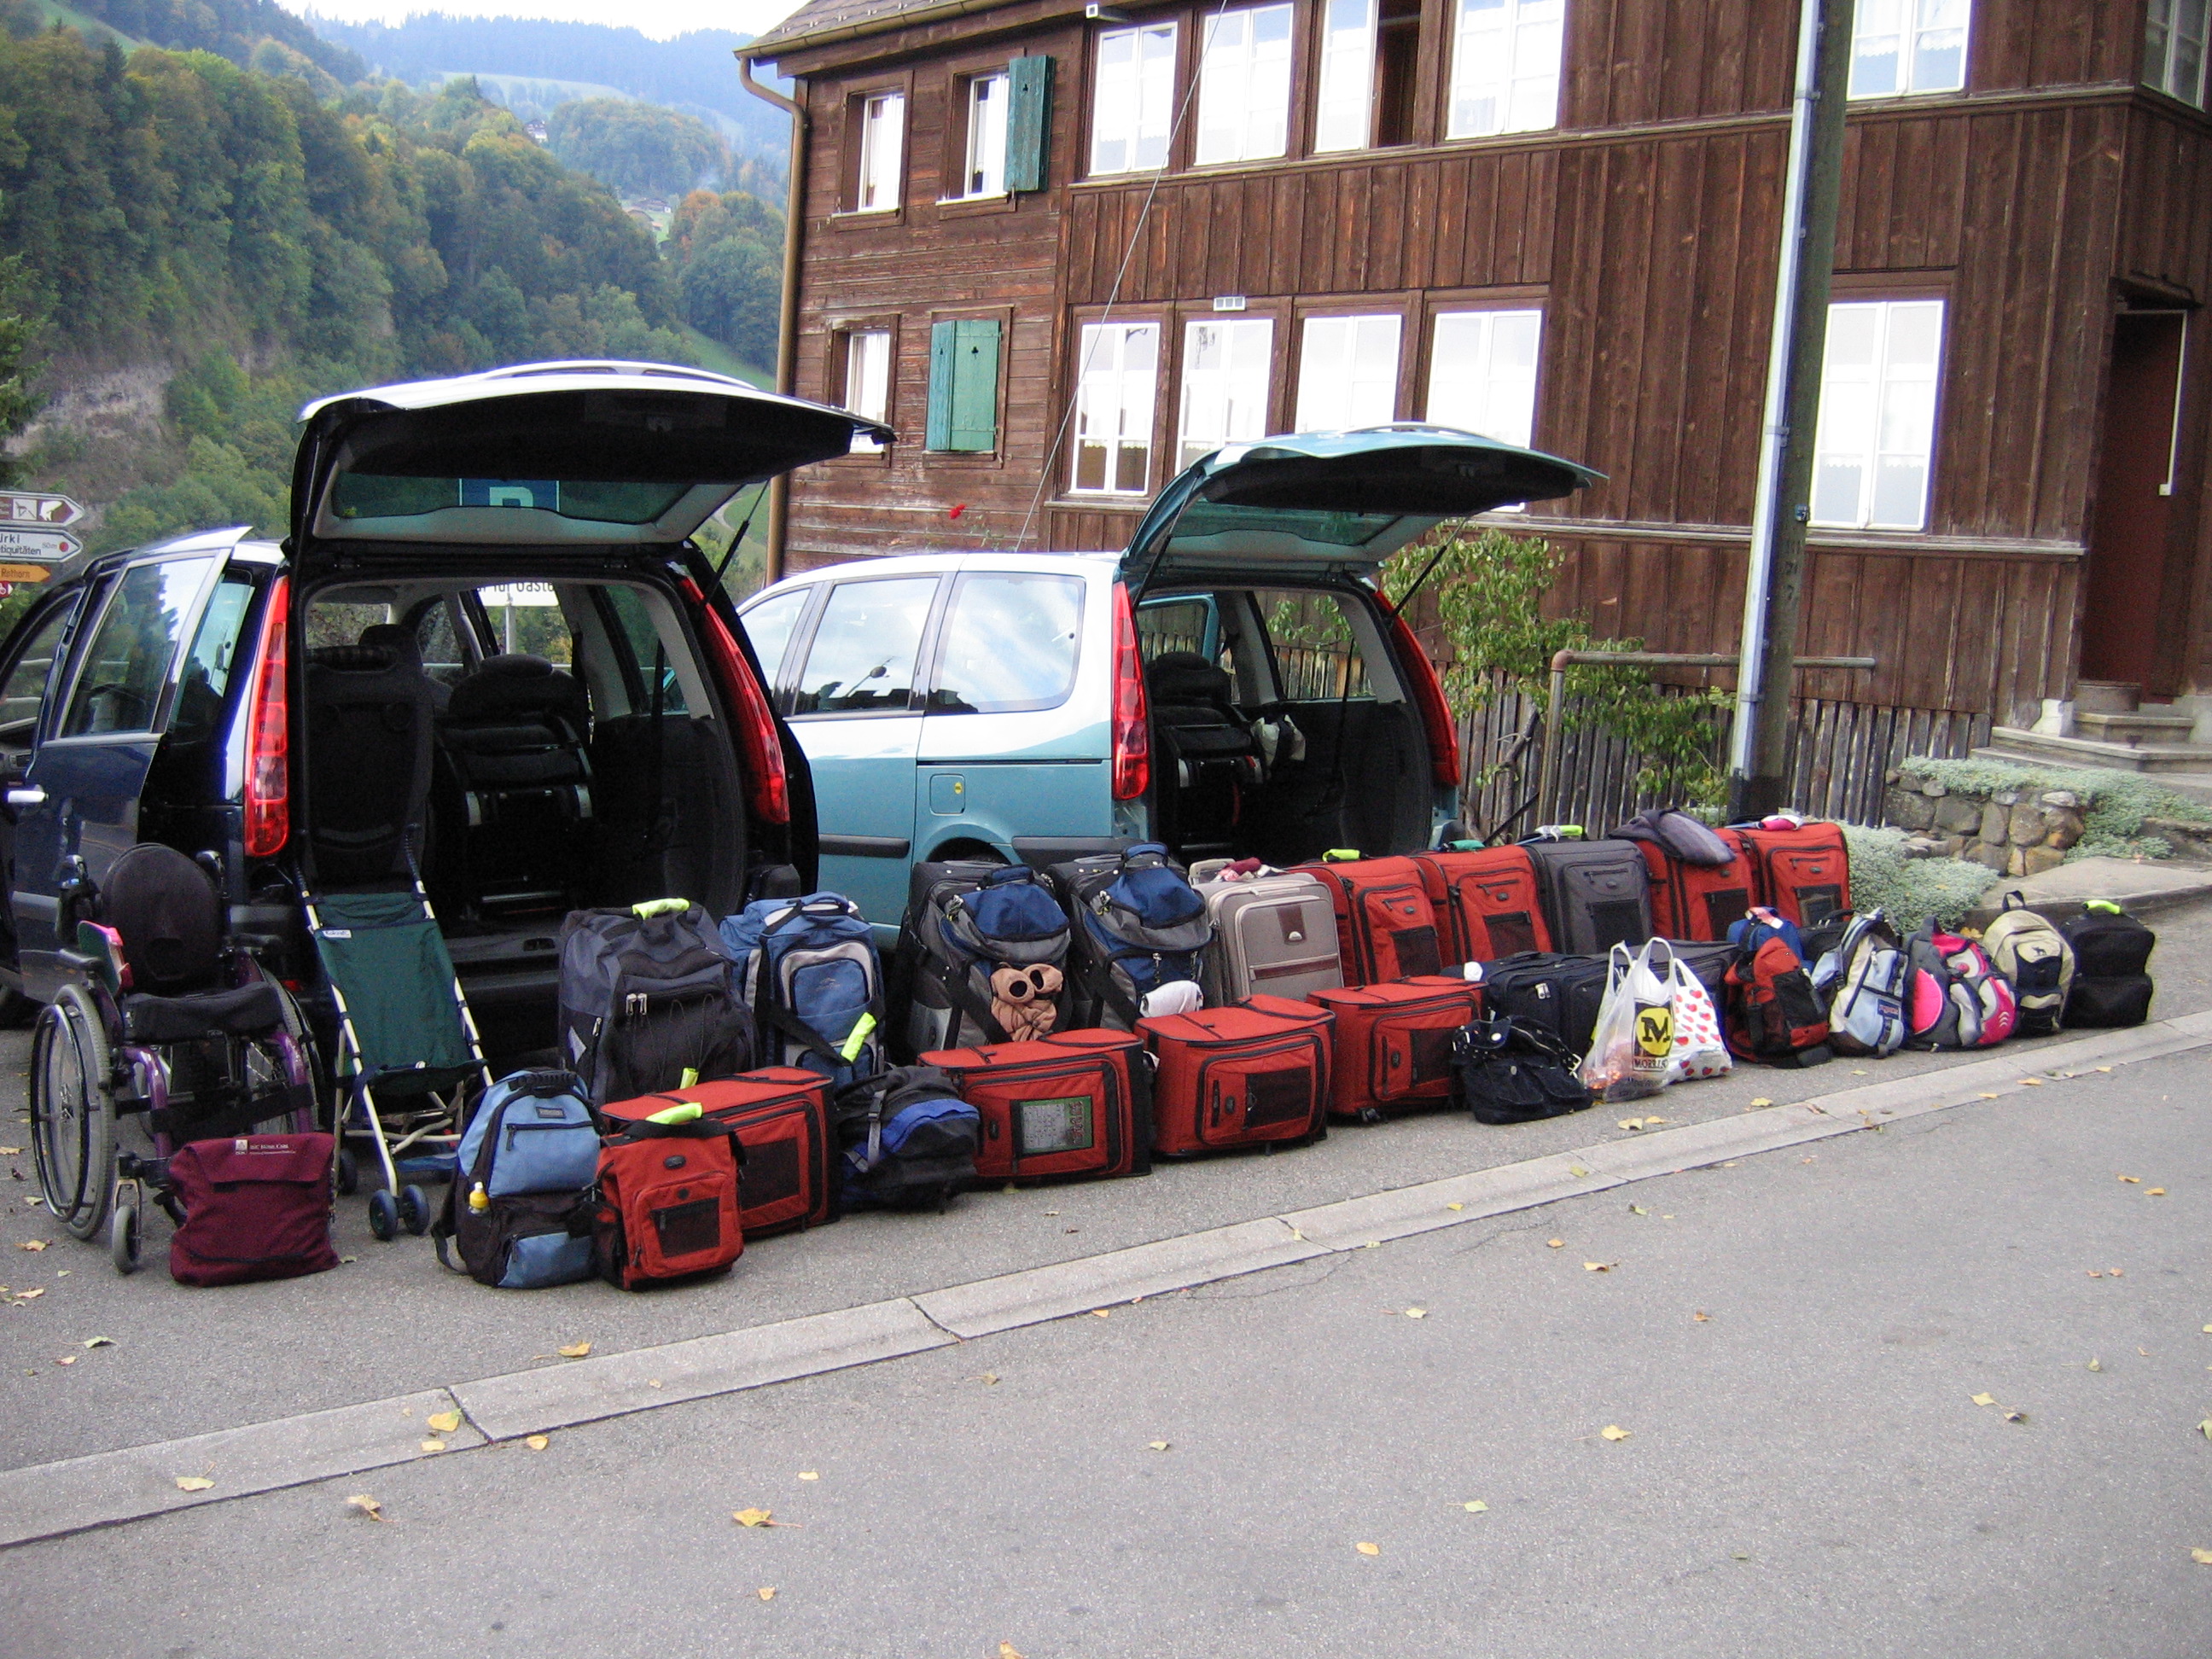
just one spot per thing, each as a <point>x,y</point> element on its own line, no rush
<point>1274,932</point>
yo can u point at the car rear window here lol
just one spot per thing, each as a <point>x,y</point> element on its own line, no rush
<point>120,676</point>
<point>1011,643</point>
<point>380,495</point>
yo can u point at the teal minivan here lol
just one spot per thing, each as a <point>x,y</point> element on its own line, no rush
<point>1232,683</point>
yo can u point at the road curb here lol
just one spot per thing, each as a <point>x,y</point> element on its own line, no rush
<point>51,1500</point>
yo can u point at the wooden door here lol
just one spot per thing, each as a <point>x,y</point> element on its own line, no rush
<point>2122,593</point>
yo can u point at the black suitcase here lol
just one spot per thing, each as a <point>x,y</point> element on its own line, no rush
<point>1559,994</point>
<point>1596,894</point>
<point>2111,968</point>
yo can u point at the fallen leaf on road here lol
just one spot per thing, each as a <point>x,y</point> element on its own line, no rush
<point>1637,1209</point>
<point>1630,1123</point>
<point>1454,1206</point>
<point>767,1592</point>
<point>2132,1180</point>
<point>2205,1428</point>
<point>1417,1313</point>
<point>444,1422</point>
<point>1985,1400</point>
<point>990,1376</point>
<point>2115,1273</point>
<point>1761,1100</point>
<point>30,1295</point>
<point>2015,1417</point>
<point>1702,1317</point>
<point>574,1350</point>
<point>10,1151</point>
<point>1006,1651</point>
<point>2208,1330</point>
<point>34,1244</point>
<point>369,1506</point>
<point>100,1342</point>
<point>2104,1068</point>
<point>2202,1558</point>
<point>434,1445</point>
<point>1561,1244</point>
<point>1299,1236</point>
<point>1598,1267</point>
<point>1478,1507</point>
<point>2096,1364</point>
<point>536,1442</point>
<point>1369,1549</point>
<point>1577,1170</point>
<point>1986,1095</point>
<point>752,1517</point>
<point>66,1359</point>
<point>1159,1445</point>
<point>809,1475</point>
<point>1613,1432</point>
<point>1101,1313</point>
<point>1858,1071</point>
<point>2154,1192</point>
<point>194,1483</point>
<point>1649,1121</point>
<point>2032,1082</point>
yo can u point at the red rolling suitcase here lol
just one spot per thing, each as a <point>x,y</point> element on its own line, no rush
<point>1385,927</point>
<point>781,1114</point>
<point>1073,1103</point>
<point>1699,901</point>
<point>1393,1044</point>
<point>1242,1076</point>
<point>1805,873</point>
<point>1487,902</point>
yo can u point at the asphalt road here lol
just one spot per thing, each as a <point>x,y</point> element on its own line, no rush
<point>1805,1470</point>
<point>390,1321</point>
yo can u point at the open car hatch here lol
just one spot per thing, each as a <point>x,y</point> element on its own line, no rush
<point>542,455</point>
<point>1340,501</point>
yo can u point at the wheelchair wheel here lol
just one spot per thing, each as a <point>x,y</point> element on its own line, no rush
<point>414,1210</point>
<point>349,1172</point>
<point>124,1239</point>
<point>384,1215</point>
<point>73,1111</point>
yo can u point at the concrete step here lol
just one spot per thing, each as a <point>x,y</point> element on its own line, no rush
<point>2143,725</point>
<point>2010,743</point>
<point>2142,888</point>
<point>2106,696</point>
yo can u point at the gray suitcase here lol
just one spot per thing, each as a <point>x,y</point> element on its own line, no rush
<point>1275,934</point>
<point>1596,894</point>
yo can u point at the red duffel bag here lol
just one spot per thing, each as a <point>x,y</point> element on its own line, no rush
<point>1393,1044</point>
<point>668,1201</point>
<point>782,1113</point>
<point>256,1206</point>
<point>1072,1103</point>
<point>1242,1076</point>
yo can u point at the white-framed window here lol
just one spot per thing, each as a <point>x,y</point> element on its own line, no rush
<point>1909,46</point>
<point>1226,366</point>
<point>1133,103</point>
<point>868,380</point>
<point>1347,373</point>
<point>984,170</point>
<point>1116,384</point>
<point>1482,373</point>
<point>1505,67</point>
<point>1875,447</point>
<point>1244,85</point>
<point>882,152</point>
<point>2173,48</point>
<point>1343,102</point>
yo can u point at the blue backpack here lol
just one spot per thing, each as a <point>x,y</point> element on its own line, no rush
<point>909,1142</point>
<point>520,1204</point>
<point>810,971</point>
<point>1761,925</point>
<point>1140,925</point>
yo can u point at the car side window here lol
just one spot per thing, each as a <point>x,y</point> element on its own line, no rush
<point>647,651</point>
<point>1316,651</point>
<point>120,674</point>
<point>1010,643</point>
<point>24,691</point>
<point>445,659</point>
<point>213,654</point>
<point>862,656</point>
<point>1177,624</point>
<point>768,626</point>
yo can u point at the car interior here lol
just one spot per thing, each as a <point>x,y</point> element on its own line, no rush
<point>556,744</point>
<point>1279,728</point>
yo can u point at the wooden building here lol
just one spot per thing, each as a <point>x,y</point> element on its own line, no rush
<point>1058,247</point>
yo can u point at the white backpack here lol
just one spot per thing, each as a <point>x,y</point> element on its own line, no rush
<point>2030,952</point>
<point>1863,982</point>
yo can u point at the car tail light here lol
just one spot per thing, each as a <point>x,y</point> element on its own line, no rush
<point>1429,695</point>
<point>759,744</point>
<point>269,735</point>
<point>1133,734</point>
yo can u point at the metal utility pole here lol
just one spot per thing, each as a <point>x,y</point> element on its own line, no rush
<point>1774,583</point>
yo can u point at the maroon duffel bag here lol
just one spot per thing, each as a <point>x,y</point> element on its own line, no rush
<point>256,1206</point>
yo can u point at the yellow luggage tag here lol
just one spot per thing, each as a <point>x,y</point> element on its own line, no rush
<point>1340,855</point>
<point>662,906</point>
<point>691,1078</point>
<point>686,1111</point>
<point>863,1027</point>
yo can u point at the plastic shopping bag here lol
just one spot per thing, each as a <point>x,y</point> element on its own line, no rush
<point>1631,1050</point>
<point>1699,1049</point>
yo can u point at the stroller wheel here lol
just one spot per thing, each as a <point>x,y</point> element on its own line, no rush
<point>414,1210</point>
<point>123,1239</point>
<point>384,1215</point>
<point>349,1172</point>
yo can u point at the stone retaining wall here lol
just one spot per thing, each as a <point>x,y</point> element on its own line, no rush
<point>2013,831</point>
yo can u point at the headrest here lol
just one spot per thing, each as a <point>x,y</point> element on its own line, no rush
<point>1186,677</point>
<point>397,639</point>
<point>502,687</point>
<point>353,659</point>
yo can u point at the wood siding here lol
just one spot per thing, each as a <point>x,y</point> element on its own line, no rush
<point>1645,228</point>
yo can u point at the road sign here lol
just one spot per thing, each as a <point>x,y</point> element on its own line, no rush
<point>31,507</point>
<point>39,545</point>
<point>23,572</point>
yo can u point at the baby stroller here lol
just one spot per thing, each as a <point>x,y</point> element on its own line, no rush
<point>406,1047</point>
<point>173,1033</point>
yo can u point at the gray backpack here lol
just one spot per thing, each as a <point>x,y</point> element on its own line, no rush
<point>646,1003</point>
<point>1864,983</point>
<point>2028,950</point>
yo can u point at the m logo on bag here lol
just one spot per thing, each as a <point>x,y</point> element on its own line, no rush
<point>1655,1030</point>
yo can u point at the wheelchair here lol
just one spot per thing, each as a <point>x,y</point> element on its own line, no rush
<point>169,1031</point>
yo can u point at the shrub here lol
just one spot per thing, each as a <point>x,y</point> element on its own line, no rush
<point>2114,804</point>
<point>1910,891</point>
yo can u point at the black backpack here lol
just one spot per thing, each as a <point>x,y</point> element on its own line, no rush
<point>908,1140</point>
<point>2112,966</point>
<point>646,1001</point>
<point>1558,995</point>
<point>982,958</point>
<point>1139,924</point>
<point>1512,1071</point>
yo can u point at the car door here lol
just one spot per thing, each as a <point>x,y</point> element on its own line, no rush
<point>852,709</point>
<point>1016,728</point>
<point>24,689</point>
<point>79,802</point>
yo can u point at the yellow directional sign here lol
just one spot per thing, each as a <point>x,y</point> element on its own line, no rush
<point>23,572</point>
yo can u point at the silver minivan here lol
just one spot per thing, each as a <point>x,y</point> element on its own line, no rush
<point>1233,683</point>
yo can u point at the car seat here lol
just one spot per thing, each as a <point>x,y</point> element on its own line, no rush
<point>1209,757</point>
<point>368,762</point>
<point>514,738</point>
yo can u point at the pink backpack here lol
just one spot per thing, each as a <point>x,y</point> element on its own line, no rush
<point>1958,999</point>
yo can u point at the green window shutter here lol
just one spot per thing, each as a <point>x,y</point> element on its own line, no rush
<point>942,336</point>
<point>974,424</point>
<point>1029,121</point>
